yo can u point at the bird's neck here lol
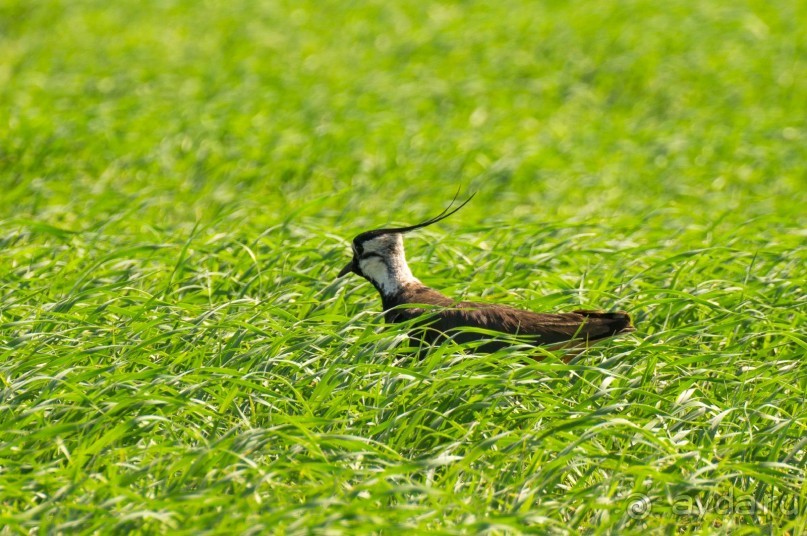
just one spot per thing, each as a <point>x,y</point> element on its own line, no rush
<point>391,277</point>
<point>399,294</point>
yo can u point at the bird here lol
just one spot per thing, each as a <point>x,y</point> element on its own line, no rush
<point>379,257</point>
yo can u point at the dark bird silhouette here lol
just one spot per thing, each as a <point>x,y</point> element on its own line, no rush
<point>379,257</point>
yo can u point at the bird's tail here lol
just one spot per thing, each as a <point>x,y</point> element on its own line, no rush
<point>596,327</point>
<point>607,324</point>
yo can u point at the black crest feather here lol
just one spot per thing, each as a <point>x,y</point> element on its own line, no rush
<point>367,235</point>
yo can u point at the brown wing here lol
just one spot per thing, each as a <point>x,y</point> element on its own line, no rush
<point>442,315</point>
<point>547,328</point>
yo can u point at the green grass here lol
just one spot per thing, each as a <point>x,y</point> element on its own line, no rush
<point>180,181</point>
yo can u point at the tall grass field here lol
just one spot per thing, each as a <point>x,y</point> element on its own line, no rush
<point>179,185</point>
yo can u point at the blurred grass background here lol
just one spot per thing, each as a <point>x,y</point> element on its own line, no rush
<point>179,180</point>
<point>551,109</point>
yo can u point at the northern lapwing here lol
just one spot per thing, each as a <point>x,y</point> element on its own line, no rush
<point>378,256</point>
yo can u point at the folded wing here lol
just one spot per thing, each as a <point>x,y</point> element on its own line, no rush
<point>546,328</point>
<point>444,316</point>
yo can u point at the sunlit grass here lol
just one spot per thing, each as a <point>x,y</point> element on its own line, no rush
<point>180,182</point>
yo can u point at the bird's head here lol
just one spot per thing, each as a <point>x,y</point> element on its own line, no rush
<point>379,257</point>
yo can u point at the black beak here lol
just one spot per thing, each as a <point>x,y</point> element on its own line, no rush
<point>346,270</point>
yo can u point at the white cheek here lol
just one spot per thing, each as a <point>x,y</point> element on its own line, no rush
<point>375,269</point>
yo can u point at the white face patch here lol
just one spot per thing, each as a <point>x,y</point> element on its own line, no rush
<point>383,262</point>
